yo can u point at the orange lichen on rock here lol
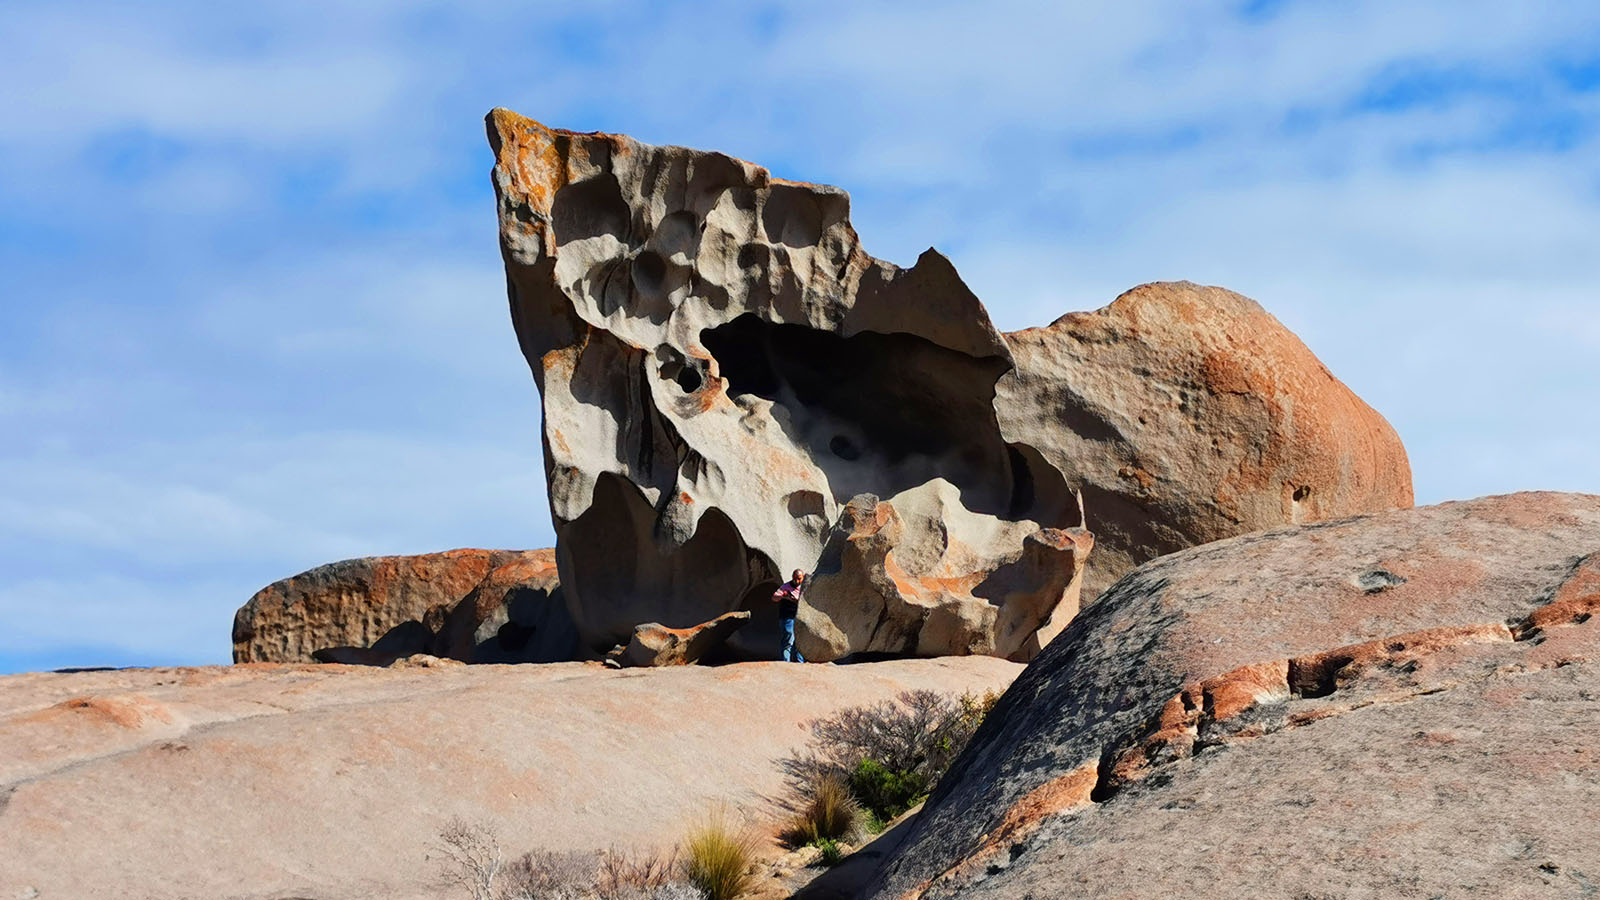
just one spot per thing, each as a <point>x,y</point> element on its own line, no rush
<point>379,609</point>
<point>1575,600</point>
<point>1231,425</point>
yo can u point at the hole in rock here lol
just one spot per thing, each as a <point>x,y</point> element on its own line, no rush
<point>688,378</point>
<point>1316,676</point>
<point>590,208</point>
<point>806,503</point>
<point>794,216</point>
<point>1301,493</point>
<point>881,413</point>
<point>1376,581</point>
<point>687,375</point>
<point>649,271</point>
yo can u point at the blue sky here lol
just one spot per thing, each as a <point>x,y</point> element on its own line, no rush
<point>251,310</point>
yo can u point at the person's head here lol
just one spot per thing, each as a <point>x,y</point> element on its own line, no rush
<point>798,576</point>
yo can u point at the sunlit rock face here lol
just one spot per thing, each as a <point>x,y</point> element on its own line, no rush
<point>475,606</point>
<point>1188,414</point>
<point>733,389</point>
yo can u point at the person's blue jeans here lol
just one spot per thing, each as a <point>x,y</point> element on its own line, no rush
<point>790,654</point>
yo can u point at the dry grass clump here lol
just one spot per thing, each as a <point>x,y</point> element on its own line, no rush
<point>825,811</point>
<point>719,856</point>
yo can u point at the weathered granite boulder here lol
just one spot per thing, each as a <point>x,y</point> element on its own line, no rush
<point>1188,414</point>
<point>654,644</point>
<point>482,606</point>
<point>902,580</point>
<point>1402,704</point>
<point>724,369</point>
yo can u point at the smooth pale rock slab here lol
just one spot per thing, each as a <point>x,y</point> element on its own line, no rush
<point>653,644</point>
<point>1251,718</point>
<point>476,606</point>
<point>273,781</point>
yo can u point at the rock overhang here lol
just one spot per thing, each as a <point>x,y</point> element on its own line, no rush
<point>724,369</point>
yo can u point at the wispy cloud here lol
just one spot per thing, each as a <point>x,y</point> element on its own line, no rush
<point>253,317</point>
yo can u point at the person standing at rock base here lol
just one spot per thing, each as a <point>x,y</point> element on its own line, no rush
<point>788,599</point>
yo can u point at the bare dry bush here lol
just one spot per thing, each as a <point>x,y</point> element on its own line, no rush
<point>470,856</point>
<point>920,732</point>
<point>472,859</point>
<point>637,876</point>
<point>548,875</point>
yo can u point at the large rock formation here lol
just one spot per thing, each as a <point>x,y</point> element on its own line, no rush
<point>263,782</point>
<point>1396,705</point>
<point>1188,414</point>
<point>725,370</point>
<point>482,606</point>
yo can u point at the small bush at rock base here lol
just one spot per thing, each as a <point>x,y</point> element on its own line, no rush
<point>548,875</point>
<point>717,857</point>
<point>825,810</point>
<point>886,792</point>
<point>831,853</point>
<point>890,754</point>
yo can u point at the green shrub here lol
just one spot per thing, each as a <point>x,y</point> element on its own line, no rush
<point>831,852</point>
<point>884,791</point>
<point>718,856</point>
<point>825,811</point>
<point>890,754</point>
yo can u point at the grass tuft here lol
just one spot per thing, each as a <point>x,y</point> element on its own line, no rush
<point>831,853</point>
<point>826,811</point>
<point>718,856</point>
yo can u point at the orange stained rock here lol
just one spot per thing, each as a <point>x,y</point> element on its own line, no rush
<point>1059,794</point>
<point>1063,793</point>
<point>125,711</point>
<point>1575,601</point>
<point>1230,694</point>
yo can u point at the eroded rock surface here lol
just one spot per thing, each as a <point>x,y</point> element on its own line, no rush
<point>725,370</point>
<point>654,644</point>
<point>277,781</point>
<point>901,578</point>
<point>481,606</point>
<point>1395,705</point>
